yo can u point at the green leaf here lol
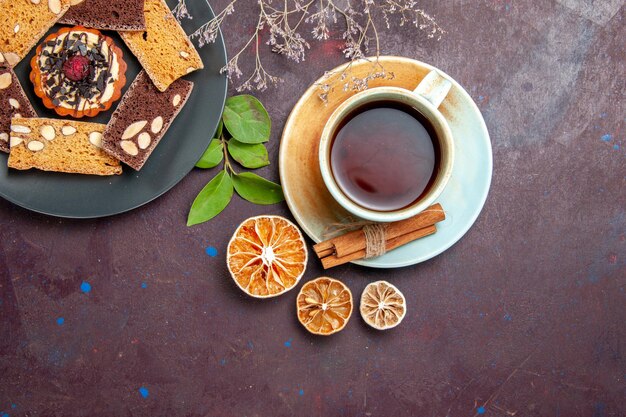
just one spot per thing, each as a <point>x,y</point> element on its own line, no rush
<point>248,155</point>
<point>257,190</point>
<point>213,155</point>
<point>213,198</point>
<point>247,120</point>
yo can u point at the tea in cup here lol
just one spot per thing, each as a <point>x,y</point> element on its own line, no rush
<point>387,153</point>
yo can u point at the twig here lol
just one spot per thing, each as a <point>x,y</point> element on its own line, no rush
<point>284,21</point>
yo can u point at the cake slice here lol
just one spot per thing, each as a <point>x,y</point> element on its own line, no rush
<point>24,22</point>
<point>120,15</point>
<point>61,146</point>
<point>13,103</point>
<point>142,118</point>
<point>163,49</point>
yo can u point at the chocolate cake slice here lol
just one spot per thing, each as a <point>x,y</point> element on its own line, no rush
<point>121,15</point>
<point>142,118</point>
<point>13,103</point>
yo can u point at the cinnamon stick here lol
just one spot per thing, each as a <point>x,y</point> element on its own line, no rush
<point>334,260</point>
<point>352,242</point>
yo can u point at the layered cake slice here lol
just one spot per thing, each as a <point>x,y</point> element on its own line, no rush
<point>61,146</point>
<point>142,118</point>
<point>163,49</point>
<point>13,103</point>
<point>120,15</point>
<point>24,22</point>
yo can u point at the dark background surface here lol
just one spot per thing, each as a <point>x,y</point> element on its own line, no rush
<point>523,317</point>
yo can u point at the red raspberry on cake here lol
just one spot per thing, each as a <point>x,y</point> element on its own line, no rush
<point>76,68</point>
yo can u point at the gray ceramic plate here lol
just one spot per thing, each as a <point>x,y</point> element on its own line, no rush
<point>82,196</point>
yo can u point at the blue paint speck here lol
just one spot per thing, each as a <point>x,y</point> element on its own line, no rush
<point>288,343</point>
<point>481,410</point>
<point>600,410</point>
<point>144,285</point>
<point>616,147</point>
<point>603,115</point>
<point>144,392</point>
<point>507,7</point>
<point>85,287</point>
<point>211,251</point>
<point>14,406</point>
<point>223,362</point>
<point>607,137</point>
<point>60,321</point>
<point>4,415</point>
<point>301,392</point>
<point>507,317</point>
<point>481,98</point>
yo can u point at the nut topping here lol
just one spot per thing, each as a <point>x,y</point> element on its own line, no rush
<point>95,138</point>
<point>157,125</point>
<point>176,100</point>
<point>5,80</point>
<point>133,129</point>
<point>14,141</point>
<point>35,145</point>
<point>54,6</point>
<point>144,140</point>
<point>129,147</point>
<point>12,58</point>
<point>4,137</point>
<point>190,70</point>
<point>35,1</point>
<point>47,132</point>
<point>16,28</point>
<point>14,103</point>
<point>184,54</point>
<point>75,2</point>
<point>20,129</point>
<point>68,130</point>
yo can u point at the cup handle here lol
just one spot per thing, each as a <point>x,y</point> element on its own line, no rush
<point>434,88</point>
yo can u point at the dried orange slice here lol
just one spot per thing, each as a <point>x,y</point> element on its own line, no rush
<point>266,256</point>
<point>324,306</point>
<point>382,305</point>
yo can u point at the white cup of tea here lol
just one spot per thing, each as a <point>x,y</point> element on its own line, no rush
<point>387,153</point>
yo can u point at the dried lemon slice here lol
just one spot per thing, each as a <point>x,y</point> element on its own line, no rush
<point>324,306</point>
<point>382,305</point>
<point>266,256</point>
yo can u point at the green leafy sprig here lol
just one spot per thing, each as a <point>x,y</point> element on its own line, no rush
<point>241,135</point>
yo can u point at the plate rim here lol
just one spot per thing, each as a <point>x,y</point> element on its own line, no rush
<point>461,232</point>
<point>165,189</point>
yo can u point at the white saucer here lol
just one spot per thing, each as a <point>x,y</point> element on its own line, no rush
<point>464,196</point>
